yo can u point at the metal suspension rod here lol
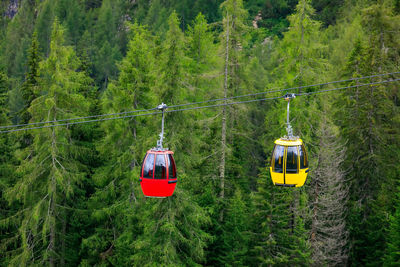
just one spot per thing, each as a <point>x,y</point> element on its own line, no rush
<point>288,106</point>
<point>161,107</point>
<point>289,128</point>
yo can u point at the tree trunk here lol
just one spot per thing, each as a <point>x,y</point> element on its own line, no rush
<point>223,130</point>
<point>52,200</point>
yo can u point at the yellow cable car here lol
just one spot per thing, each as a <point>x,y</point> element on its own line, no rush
<point>289,163</point>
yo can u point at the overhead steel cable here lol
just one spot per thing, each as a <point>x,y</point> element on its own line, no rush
<point>200,107</point>
<point>77,118</point>
<point>138,115</point>
<point>198,103</point>
<point>78,122</point>
<point>285,89</point>
<point>348,87</point>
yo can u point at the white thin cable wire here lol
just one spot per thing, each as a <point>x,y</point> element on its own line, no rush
<point>200,102</point>
<point>200,107</point>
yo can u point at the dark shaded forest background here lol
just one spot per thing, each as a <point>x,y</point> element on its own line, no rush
<point>70,195</point>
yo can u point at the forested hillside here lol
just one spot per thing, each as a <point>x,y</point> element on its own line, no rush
<point>93,71</point>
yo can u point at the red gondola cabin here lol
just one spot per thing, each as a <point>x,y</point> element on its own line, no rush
<point>158,174</point>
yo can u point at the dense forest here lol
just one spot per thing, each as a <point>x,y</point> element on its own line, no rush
<point>70,193</point>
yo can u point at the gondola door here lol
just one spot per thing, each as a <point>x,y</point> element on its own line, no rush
<point>291,165</point>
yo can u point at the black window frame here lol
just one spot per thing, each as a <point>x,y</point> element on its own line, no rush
<point>146,160</point>
<point>162,157</point>
<point>295,156</point>
<point>169,159</point>
<point>281,169</point>
<point>302,148</point>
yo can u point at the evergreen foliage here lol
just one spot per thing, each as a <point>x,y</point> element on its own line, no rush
<point>51,174</point>
<point>7,174</point>
<point>329,234</point>
<point>279,234</point>
<point>392,257</point>
<point>31,78</point>
<point>70,196</point>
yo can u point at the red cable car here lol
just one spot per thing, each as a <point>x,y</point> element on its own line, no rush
<point>158,175</point>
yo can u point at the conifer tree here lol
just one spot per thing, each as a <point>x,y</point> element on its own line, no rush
<point>172,231</point>
<point>157,14</point>
<point>369,122</point>
<point>50,179</point>
<point>115,180</point>
<point>31,78</point>
<point>172,63</point>
<point>171,86</point>
<point>232,42</point>
<point>107,35</point>
<point>392,257</point>
<point>301,50</point>
<point>200,40</point>
<point>329,194</point>
<point>43,25</point>
<point>70,14</point>
<point>7,177</point>
<point>204,62</point>
<point>279,236</point>
<point>236,232</point>
<point>17,40</point>
<point>169,236</point>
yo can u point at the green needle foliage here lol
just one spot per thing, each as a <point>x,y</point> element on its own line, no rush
<point>172,232</point>
<point>392,256</point>
<point>70,195</point>
<point>51,174</point>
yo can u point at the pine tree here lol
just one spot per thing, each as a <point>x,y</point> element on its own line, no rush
<point>329,194</point>
<point>115,180</point>
<point>236,232</point>
<point>70,14</point>
<point>107,35</point>
<point>17,40</point>
<point>301,50</point>
<point>7,177</point>
<point>31,78</point>
<point>45,17</point>
<point>50,179</point>
<point>172,232</point>
<point>279,236</point>
<point>232,42</point>
<point>392,257</point>
<point>171,68</point>
<point>171,87</point>
<point>370,124</point>
<point>200,40</point>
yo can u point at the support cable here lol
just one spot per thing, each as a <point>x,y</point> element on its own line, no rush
<point>197,103</point>
<point>200,107</point>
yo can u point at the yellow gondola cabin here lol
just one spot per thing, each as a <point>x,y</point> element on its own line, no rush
<point>289,163</point>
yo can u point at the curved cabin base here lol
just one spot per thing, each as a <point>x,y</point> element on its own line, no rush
<point>158,188</point>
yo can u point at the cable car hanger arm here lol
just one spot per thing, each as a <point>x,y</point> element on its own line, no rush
<point>161,107</point>
<point>289,128</point>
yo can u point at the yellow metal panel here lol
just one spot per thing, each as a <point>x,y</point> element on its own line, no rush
<point>302,176</point>
<point>276,176</point>
<point>283,142</point>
